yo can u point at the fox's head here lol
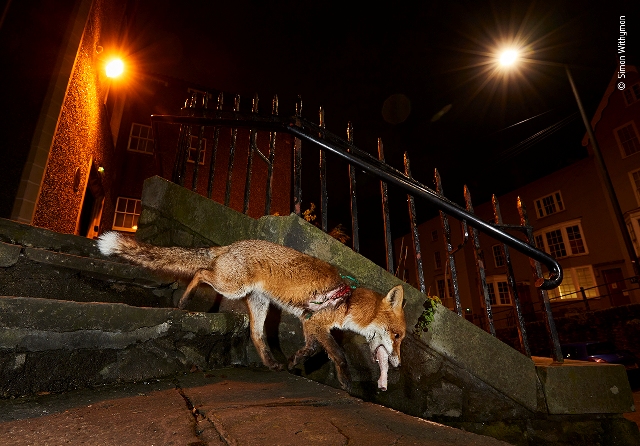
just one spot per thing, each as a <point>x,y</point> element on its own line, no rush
<point>390,326</point>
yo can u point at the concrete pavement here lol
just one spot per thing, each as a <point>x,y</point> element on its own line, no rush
<point>233,406</point>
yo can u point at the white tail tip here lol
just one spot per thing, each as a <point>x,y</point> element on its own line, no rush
<point>108,243</point>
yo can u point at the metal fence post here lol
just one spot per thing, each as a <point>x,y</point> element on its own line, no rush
<point>479,258</point>
<point>511,281</point>
<point>448,247</point>
<point>324,211</point>
<point>385,213</point>
<point>232,153</point>
<point>272,155</point>
<point>353,193</point>
<point>297,164</point>
<point>414,228</point>
<point>214,148</point>
<point>556,351</point>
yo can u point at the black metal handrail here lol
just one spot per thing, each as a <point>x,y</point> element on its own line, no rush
<point>306,130</point>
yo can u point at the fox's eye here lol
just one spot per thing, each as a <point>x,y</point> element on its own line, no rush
<point>397,335</point>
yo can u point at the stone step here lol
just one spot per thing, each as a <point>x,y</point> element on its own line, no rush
<point>36,262</point>
<point>49,345</point>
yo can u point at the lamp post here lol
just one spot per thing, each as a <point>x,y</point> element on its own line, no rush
<point>508,58</point>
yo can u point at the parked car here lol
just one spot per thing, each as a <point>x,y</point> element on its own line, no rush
<point>597,351</point>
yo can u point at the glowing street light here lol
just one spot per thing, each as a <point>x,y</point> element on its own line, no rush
<point>508,57</point>
<point>114,68</point>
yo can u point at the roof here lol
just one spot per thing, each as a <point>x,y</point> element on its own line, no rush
<point>605,100</point>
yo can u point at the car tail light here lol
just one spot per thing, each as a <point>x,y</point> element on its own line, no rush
<point>597,360</point>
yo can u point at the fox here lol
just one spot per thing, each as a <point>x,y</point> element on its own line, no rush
<point>264,273</point>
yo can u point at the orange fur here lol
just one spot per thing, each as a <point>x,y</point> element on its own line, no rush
<point>264,273</point>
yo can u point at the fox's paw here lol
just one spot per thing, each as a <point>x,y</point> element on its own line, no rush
<point>276,367</point>
<point>184,302</point>
<point>346,385</point>
<point>294,361</point>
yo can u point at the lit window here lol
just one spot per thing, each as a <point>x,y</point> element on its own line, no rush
<point>127,214</point>
<point>574,279</point>
<point>549,205</point>
<point>498,255</point>
<point>627,137</point>
<point>193,150</point>
<point>141,139</point>
<point>563,240</point>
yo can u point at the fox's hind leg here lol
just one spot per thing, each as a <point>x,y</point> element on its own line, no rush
<point>202,276</point>
<point>258,308</point>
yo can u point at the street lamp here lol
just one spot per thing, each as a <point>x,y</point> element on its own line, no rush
<point>114,68</point>
<point>507,58</point>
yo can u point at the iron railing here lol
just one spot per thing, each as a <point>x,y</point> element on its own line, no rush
<point>198,115</point>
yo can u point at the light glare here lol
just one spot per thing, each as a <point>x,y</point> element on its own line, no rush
<point>508,57</point>
<point>115,68</point>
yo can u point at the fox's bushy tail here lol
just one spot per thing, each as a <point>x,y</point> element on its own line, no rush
<point>181,262</point>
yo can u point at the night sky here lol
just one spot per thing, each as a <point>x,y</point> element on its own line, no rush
<point>390,70</point>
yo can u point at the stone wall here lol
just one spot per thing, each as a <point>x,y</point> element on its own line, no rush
<point>454,373</point>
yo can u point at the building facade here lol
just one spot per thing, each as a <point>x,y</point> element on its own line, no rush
<point>573,220</point>
<point>78,145</point>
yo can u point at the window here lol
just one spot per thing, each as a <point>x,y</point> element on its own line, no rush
<point>627,137</point>
<point>437,260</point>
<point>498,290</point>
<point>632,94</point>
<point>127,214</point>
<point>634,176</point>
<point>549,205</point>
<point>498,255</point>
<point>193,150</point>
<point>562,240</point>
<point>574,278</point>
<point>434,235</point>
<point>141,139</point>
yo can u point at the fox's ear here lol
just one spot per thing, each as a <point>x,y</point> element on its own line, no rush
<point>395,298</point>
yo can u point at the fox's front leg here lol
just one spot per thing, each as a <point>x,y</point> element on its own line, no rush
<point>311,347</point>
<point>258,308</point>
<point>318,334</point>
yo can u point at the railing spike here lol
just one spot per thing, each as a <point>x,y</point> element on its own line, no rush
<point>299,107</point>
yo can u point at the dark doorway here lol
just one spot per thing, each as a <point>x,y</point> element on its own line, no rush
<point>616,287</point>
<point>89,222</point>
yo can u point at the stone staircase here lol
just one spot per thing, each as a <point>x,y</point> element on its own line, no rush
<point>71,318</point>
